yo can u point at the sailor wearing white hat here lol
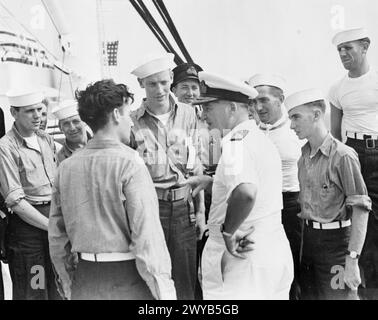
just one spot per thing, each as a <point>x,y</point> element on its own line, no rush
<point>246,204</point>
<point>354,97</point>
<point>72,127</point>
<point>276,125</point>
<point>354,114</point>
<point>27,168</point>
<point>334,203</point>
<point>165,136</point>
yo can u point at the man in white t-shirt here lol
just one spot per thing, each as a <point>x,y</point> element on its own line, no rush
<point>276,126</point>
<point>246,204</point>
<point>354,104</point>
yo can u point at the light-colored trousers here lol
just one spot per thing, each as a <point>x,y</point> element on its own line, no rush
<point>266,274</point>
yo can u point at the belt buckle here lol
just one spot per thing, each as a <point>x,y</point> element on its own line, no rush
<point>368,146</point>
<point>169,195</point>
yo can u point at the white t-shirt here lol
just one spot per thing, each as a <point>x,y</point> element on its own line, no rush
<point>163,117</point>
<point>289,148</point>
<point>32,142</point>
<point>358,99</point>
<point>249,159</point>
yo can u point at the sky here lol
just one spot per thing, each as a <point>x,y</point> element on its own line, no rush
<point>236,38</point>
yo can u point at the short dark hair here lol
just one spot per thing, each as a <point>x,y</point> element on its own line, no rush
<point>45,102</point>
<point>365,40</point>
<point>98,100</point>
<point>318,104</point>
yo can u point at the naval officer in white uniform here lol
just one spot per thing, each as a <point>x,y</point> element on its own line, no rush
<point>246,207</point>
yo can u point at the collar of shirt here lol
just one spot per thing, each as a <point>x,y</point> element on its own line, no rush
<point>96,143</point>
<point>245,125</point>
<point>280,122</point>
<point>67,150</point>
<point>325,147</point>
<point>20,139</point>
<point>144,108</point>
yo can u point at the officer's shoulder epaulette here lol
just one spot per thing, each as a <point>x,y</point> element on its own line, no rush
<point>239,135</point>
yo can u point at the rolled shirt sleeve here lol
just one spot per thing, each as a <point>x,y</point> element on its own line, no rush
<point>147,238</point>
<point>10,186</point>
<point>353,182</point>
<point>59,244</point>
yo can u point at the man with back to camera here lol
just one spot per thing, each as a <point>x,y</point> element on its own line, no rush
<point>354,103</point>
<point>334,203</point>
<point>246,202</point>
<point>27,167</point>
<point>165,136</point>
<point>111,223</point>
<point>276,125</point>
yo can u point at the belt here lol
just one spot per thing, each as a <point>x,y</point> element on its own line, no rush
<point>371,141</point>
<point>290,195</point>
<point>328,226</point>
<point>107,256</point>
<point>210,170</point>
<point>40,203</point>
<point>172,194</point>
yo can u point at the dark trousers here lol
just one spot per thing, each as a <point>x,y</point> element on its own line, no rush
<point>369,262</point>
<point>369,255</point>
<point>323,263</point>
<point>201,245</point>
<point>1,285</point>
<point>108,281</point>
<point>180,235</point>
<point>29,261</point>
<point>292,225</point>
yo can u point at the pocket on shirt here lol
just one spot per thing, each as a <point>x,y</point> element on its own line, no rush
<point>328,196</point>
<point>33,175</point>
<point>156,163</point>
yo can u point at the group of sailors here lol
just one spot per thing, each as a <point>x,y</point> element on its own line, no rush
<point>213,188</point>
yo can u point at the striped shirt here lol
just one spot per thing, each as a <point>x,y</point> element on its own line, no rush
<point>104,201</point>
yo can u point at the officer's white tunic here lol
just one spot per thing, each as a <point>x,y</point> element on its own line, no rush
<point>248,157</point>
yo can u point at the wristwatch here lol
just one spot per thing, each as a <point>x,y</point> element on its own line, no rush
<point>224,232</point>
<point>353,254</point>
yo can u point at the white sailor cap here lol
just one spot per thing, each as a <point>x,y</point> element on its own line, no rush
<point>216,87</point>
<point>152,64</point>
<point>266,79</point>
<point>303,97</point>
<point>66,109</point>
<point>350,35</point>
<point>22,97</point>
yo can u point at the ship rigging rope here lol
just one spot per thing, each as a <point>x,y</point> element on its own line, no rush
<point>28,31</point>
<point>51,18</point>
<point>154,27</point>
<point>61,76</point>
<point>159,4</point>
<point>64,53</point>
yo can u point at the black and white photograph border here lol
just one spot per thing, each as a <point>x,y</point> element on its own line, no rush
<point>62,46</point>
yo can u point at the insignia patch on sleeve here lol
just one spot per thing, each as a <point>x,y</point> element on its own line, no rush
<point>239,135</point>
